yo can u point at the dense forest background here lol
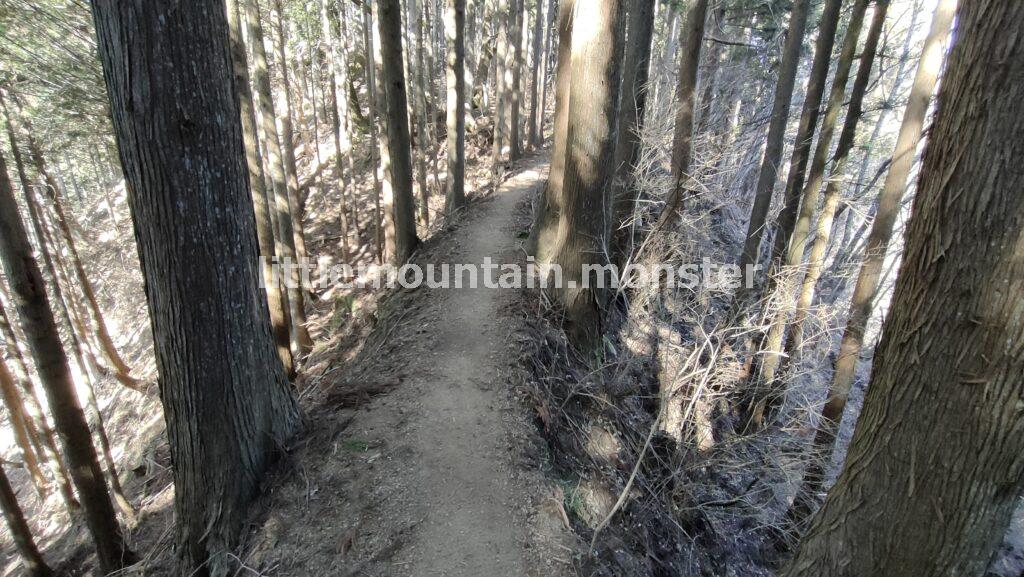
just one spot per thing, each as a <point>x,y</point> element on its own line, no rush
<point>856,411</point>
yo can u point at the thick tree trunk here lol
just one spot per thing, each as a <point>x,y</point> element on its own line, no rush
<point>682,142</point>
<point>598,34</point>
<point>397,141</point>
<point>34,564</point>
<point>52,365</point>
<point>454,25</point>
<point>543,236</point>
<point>632,109</point>
<point>277,299</point>
<point>384,154</point>
<point>226,398</point>
<point>769,171</point>
<point>888,209</point>
<point>285,205</point>
<point>502,85</point>
<point>951,357</point>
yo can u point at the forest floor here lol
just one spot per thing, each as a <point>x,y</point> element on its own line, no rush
<point>421,459</point>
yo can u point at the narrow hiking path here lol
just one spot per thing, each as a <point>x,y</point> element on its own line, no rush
<point>467,491</point>
<point>438,474</point>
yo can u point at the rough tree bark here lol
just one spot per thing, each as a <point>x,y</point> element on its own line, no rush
<point>40,330</point>
<point>226,398</point>
<point>598,34</point>
<point>636,71</point>
<point>541,243</point>
<point>888,209</point>
<point>454,26</point>
<point>397,140</point>
<point>936,465</point>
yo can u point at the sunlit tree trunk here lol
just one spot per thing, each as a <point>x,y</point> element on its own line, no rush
<point>823,229</point>
<point>74,321</point>
<point>397,140</point>
<point>422,108</point>
<point>537,40</point>
<point>541,243</point>
<point>502,84</point>
<point>40,432</point>
<point>336,100</point>
<point>22,429</point>
<point>935,469</point>
<point>549,26</point>
<point>277,299</point>
<point>454,26</point>
<point>598,34</point>
<point>787,254</point>
<point>514,62</point>
<point>21,367</point>
<point>888,208</point>
<point>53,191</point>
<point>40,330</point>
<point>284,202</point>
<point>371,85</point>
<point>226,398</point>
<point>287,129</point>
<point>430,95</point>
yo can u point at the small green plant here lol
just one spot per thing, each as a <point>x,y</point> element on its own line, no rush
<point>355,445</point>
<point>571,499</point>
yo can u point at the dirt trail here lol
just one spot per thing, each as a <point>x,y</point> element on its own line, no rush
<point>467,491</point>
<point>437,471</point>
